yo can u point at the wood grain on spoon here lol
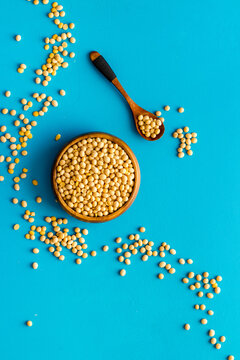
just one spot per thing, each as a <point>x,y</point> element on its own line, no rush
<point>106,70</point>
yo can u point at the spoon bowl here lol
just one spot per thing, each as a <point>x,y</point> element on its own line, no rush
<point>136,111</point>
<point>102,65</point>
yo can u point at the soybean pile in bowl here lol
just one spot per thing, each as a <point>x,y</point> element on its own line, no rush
<point>96,177</point>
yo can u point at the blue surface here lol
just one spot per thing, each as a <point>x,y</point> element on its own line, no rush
<point>164,52</point>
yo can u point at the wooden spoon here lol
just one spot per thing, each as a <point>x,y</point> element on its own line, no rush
<point>101,64</point>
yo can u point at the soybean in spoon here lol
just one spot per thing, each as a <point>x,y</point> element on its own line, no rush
<point>138,112</point>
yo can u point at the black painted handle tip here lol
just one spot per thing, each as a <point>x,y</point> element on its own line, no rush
<point>102,65</point>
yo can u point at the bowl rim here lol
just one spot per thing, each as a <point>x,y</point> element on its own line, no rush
<point>134,192</point>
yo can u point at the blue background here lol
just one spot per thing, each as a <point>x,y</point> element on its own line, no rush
<point>181,53</point>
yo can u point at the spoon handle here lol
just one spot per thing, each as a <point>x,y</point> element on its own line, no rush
<point>102,65</point>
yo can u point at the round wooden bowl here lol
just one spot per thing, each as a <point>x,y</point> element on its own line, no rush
<point>135,187</point>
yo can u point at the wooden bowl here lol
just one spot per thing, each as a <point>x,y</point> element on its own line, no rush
<point>135,187</point>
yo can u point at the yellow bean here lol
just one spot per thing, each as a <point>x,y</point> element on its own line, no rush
<point>181,110</point>
<point>211,332</point>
